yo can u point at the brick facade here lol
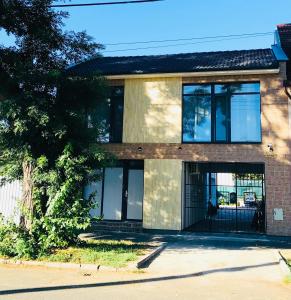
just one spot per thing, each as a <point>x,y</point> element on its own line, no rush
<point>275,131</point>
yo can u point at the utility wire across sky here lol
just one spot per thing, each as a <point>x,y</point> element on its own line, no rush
<point>184,44</point>
<point>192,38</point>
<point>104,3</point>
<point>200,40</point>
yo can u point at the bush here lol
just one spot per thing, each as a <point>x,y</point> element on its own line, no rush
<point>15,242</point>
<point>60,212</point>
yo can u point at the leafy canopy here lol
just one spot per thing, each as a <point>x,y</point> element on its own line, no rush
<point>44,118</point>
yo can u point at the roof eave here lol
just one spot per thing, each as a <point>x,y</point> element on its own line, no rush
<point>196,74</point>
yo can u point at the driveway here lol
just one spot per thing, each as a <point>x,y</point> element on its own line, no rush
<point>189,268</point>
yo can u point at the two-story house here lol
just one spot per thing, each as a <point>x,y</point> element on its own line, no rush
<point>202,140</point>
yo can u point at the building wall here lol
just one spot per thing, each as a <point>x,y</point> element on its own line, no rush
<point>275,131</point>
<point>162,194</point>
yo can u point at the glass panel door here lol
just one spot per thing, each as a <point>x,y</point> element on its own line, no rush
<point>95,188</point>
<point>112,197</point>
<point>135,194</point>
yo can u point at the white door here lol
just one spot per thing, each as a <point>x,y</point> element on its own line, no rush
<point>96,189</point>
<point>112,195</point>
<point>135,194</point>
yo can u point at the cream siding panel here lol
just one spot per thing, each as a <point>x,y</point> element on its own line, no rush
<point>152,110</point>
<point>162,194</point>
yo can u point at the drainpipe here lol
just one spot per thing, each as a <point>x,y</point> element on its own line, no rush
<point>287,84</point>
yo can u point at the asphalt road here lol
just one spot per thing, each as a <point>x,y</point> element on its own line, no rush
<point>189,268</point>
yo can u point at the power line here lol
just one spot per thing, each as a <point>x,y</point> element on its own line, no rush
<point>183,44</point>
<point>189,39</point>
<point>104,3</point>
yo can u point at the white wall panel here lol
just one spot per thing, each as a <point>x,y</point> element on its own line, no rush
<point>10,196</point>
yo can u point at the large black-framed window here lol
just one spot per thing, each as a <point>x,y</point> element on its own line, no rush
<point>111,116</point>
<point>222,113</point>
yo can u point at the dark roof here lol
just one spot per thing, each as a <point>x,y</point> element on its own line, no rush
<point>176,63</point>
<point>284,31</point>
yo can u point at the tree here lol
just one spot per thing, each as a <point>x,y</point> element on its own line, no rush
<point>45,139</point>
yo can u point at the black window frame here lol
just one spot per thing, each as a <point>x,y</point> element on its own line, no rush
<point>112,121</point>
<point>213,111</point>
<point>111,116</point>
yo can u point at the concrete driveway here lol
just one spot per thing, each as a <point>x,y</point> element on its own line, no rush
<point>189,268</point>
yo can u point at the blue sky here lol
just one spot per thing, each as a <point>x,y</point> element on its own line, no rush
<point>176,19</point>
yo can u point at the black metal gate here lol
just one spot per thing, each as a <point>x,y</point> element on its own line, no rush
<point>224,197</point>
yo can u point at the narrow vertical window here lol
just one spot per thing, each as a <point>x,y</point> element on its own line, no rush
<point>116,118</point>
<point>110,117</point>
<point>197,113</point>
<point>245,118</point>
<point>221,118</point>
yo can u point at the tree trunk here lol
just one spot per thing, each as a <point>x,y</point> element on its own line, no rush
<point>27,202</point>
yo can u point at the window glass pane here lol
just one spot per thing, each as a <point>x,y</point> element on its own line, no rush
<point>197,119</point>
<point>220,88</point>
<point>197,89</point>
<point>245,88</point>
<point>221,118</point>
<point>116,119</point>
<point>102,117</point>
<point>94,188</point>
<point>117,91</point>
<point>245,118</point>
<point>109,117</point>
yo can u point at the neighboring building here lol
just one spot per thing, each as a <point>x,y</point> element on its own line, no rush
<point>203,141</point>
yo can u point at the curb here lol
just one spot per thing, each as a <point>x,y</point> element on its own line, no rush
<point>58,265</point>
<point>282,262</point>
<point>150,256</point>
<point>88,267</point>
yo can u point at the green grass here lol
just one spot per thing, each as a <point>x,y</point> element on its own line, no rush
<point>100,252</point>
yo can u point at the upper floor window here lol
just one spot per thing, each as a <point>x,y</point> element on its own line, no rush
<point>111,116</point>
<point>222,113</point>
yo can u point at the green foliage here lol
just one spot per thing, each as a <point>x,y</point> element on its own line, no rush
<point>66,212</point>
<point>44,122</point>
<point>15,242</point>
<point>60,210</point>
